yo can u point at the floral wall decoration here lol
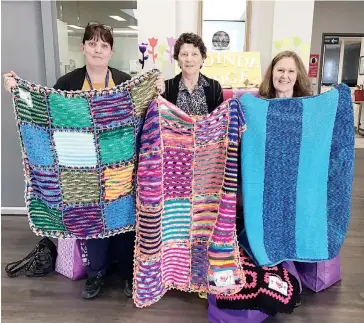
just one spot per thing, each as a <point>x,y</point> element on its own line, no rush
<point>159,52</point>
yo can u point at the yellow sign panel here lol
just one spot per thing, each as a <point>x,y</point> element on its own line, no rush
<point>233,69</point>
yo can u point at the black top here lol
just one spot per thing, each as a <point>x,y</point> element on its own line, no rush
<point>73,81</point>
<point>213,92</point>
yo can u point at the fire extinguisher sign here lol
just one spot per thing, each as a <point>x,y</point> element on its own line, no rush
<point>313,65</point>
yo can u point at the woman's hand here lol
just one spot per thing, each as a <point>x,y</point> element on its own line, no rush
<point>159,84</point>
<point>9,80</point>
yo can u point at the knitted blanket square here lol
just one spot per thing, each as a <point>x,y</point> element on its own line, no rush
<point>79,154</point>
<point>297,163</point>
<point>186,202</point>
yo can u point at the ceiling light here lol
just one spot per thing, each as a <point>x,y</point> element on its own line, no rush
<point>133,27</point>
<point>118,18</point>
<point>131,12</point>
<point>124,31</point>
<point>76,27</point>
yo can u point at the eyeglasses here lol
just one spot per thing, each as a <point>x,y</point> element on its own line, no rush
<point>92,24</point>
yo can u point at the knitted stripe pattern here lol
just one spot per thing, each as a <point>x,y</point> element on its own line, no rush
<point>186,202</point>
<point>297,164</point>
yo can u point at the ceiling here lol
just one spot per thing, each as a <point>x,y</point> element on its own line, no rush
<point>80,13</point>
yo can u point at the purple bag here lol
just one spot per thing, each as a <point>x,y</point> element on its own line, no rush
<point>71,259</point>
<point>291,268</point>
<point>319,275</point>
<point>215,315</point>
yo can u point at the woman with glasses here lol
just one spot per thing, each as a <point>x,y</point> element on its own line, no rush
<point>97,47</point>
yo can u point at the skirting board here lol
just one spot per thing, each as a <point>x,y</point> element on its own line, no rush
<point>359,141</point>
<point>13,210</point>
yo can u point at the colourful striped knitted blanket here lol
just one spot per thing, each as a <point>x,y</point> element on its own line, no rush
<point>79,154</point>
<point>186,202</point>
<point>297,171</point>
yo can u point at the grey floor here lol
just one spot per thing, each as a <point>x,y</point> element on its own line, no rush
<point>54,299</point>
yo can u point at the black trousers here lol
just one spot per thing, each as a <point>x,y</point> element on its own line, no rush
<point>102,252</point>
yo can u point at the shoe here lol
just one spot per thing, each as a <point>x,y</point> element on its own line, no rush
<point>128,289</point>
<point>93,286</point>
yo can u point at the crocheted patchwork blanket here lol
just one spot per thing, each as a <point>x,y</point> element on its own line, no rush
<point>79,154</point>
<point>186,202</point>
<point>297,164</point>
<point>270,290</point>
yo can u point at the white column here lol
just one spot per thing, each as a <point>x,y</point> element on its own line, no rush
<point>187,16</point>
<point>261,31</point>
<point>292,28</point>
<point>63,45</point>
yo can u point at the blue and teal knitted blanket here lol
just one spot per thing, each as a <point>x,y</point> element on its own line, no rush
<point>297,161</point>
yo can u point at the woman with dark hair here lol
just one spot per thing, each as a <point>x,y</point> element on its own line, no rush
<point>286,77</point>
<point>190,90</point>
<point>97,47</point>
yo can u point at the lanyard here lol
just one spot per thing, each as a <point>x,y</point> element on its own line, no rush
<point>106,80</point>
